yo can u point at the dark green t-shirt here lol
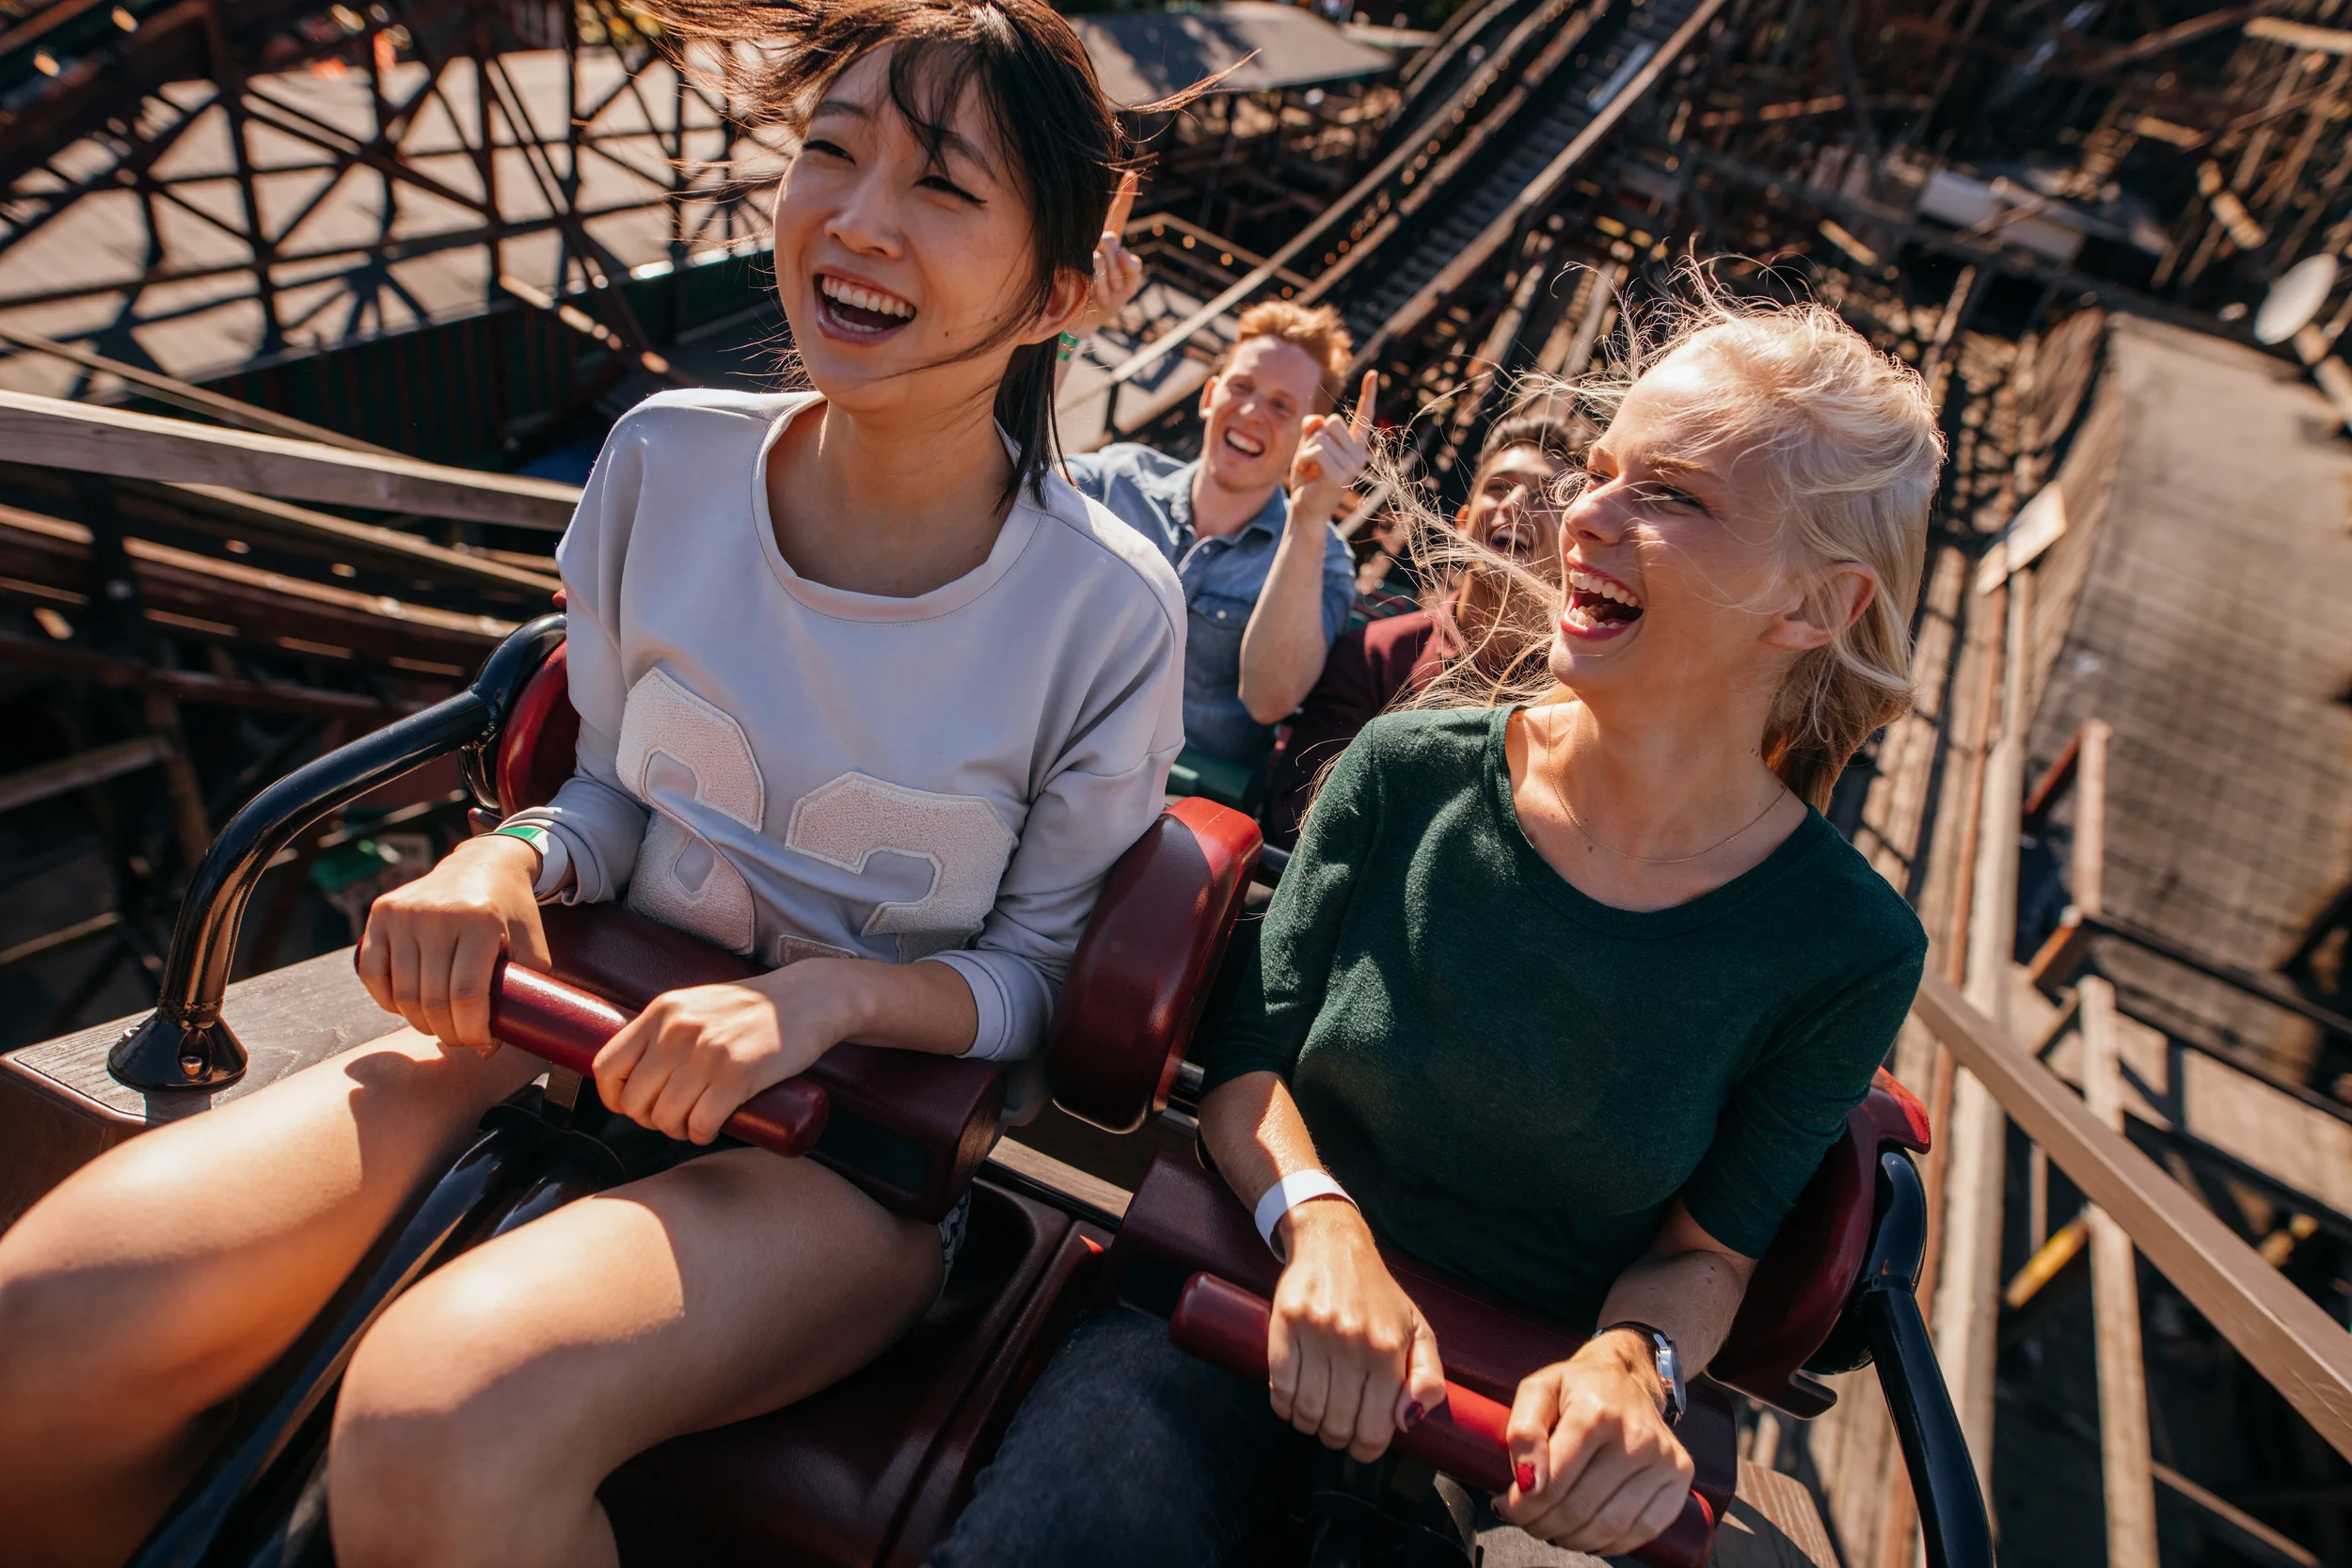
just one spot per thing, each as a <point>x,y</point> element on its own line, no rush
<point>1513,1080</point>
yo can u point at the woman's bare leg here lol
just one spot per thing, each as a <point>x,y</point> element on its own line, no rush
<point>480,1414</point>
<point>161,1278</point>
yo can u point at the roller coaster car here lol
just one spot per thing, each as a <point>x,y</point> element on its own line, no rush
<point>872,1471</point>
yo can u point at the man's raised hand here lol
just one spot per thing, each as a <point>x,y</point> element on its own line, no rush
<point>1118,271</point>
<point>1331,454</point>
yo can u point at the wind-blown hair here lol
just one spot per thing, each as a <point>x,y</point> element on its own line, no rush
<point>1037,85</point>
<point>1851,450</point>
<point>1497,613</point>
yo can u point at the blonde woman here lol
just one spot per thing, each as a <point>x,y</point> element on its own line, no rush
<point>1566,999</point>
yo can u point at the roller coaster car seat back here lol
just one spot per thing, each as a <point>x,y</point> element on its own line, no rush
<point>536,746</point>
<point>1806,1281</point>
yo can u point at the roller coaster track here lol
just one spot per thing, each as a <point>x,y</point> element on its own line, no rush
<point>1477,165</point>
<point>1511,170</point>
<point>1507,32</point>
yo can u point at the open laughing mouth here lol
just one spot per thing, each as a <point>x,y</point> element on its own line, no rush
<point>1598,606</point>
<point>859,311</point>
<point>1516,540</point>
<point>1249,447</point>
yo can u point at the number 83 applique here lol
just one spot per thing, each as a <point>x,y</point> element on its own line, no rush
<point>676,744</point>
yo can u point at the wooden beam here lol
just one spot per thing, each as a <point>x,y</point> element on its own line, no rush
<point>2300,35</point>
<point>317,533</point>
<point>2176,34</point>
<point>2084,765</point>
<point>54,433</point>
<point>1151,224</point>
<point>2053,784</point>
<point>195,399</point>
<point>2126,1464</point>
<point>2288,1338</point>
<point>29,785</point>
<point>195,685</point>
<point>231,601</point>
<point>2091,817</point>
<point>587,326</point>
<point>2227,208</point>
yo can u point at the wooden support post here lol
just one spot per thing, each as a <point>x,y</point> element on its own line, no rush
<point>182,787</point>
<point>2126,1467</point>
<point>1932,369</point>
<point>1898,1545</point>
<point>1968,1286</point>
<point>2085,769</point>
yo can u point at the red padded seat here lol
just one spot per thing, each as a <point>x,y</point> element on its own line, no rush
<point>1806,1277</point>
<point>535,748</point>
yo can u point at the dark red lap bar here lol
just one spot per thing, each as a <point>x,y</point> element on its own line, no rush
<point>1226,1326</point>
<point>567,1027</point>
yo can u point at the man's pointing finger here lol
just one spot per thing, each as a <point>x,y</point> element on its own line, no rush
<point>1362,421</point>
<point>1114,222</point>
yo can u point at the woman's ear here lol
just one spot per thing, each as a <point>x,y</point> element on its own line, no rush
<point>1843,591</point>
<point>1062,306</point>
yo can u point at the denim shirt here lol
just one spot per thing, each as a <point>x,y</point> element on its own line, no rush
<point>1222,578</point>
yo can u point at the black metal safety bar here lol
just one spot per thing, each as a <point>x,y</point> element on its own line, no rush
<point>1953,1525</point>
<point>184,1044</point>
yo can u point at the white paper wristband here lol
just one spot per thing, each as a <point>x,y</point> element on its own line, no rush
<point>1288,1194</point>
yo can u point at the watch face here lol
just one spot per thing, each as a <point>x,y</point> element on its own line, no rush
<point>1670,1373</point>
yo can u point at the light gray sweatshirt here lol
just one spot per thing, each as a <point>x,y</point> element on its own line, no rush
<point>787,770</point>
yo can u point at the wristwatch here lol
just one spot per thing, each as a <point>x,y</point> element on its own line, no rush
<point>1669,1363</point>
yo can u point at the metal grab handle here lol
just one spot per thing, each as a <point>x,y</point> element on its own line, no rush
<point>184,1043</point>
<point>1227,1327</point>
<point>567,1027</point>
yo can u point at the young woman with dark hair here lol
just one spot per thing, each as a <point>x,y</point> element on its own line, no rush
<point>861,682</point>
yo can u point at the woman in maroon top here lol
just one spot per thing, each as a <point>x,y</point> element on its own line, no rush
<point>1514,511</point>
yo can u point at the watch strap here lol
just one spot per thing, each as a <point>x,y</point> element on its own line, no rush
<point>1667,1360</point>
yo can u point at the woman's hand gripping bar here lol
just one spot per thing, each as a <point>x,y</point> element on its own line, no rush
<point>567,1027</point>
<point>1226,1326</point>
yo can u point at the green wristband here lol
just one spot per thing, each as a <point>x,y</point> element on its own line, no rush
<point>529,832</point>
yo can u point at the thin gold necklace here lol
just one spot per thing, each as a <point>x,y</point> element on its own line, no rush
<point>1587,834</point>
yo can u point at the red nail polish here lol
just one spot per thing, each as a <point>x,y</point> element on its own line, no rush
<point>1525,1476</point>
<point>1413,1413</point>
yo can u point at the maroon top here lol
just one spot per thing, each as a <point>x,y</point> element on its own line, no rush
<point>1369,668</point>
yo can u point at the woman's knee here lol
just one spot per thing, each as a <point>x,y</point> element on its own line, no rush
<point>439,1454</point>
